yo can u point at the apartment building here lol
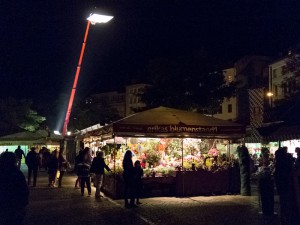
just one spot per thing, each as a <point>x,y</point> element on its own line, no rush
<point>228,109</point>
<point>133,100</point>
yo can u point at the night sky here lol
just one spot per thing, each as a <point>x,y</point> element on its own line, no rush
<point>40,41</point>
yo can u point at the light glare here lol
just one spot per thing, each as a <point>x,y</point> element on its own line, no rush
<point>97,18</point>
<point>56,132</point>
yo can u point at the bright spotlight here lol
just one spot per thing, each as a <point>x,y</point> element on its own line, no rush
<point>56,132</point>
<point>69,133</point>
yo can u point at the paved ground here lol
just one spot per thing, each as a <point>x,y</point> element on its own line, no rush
<point>66,206</point>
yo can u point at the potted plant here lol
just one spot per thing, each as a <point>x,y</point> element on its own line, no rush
<point>152,158</point>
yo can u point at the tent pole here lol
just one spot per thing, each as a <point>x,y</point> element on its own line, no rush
<point>182,153</point>
<point>114,155</point>
<point>182,172</point>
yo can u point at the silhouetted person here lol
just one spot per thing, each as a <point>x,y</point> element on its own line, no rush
<point>128,176</point>
<point>62,166</point>
<point>52,168</point>
<point>83,171</point>
<point>32,161</point>
<point>245,170</point>
<point>138,183</point>
<point>13,191</point>
<point>97,168</point>
<point>46,157</point>
<point>283,181</point>
<point>77,160</point>
<point>19,154</point>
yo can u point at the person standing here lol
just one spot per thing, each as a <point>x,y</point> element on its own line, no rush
<point>97,168</point>
<point>52,168</point>
<point>32,162</point>
<point>83,171</point>
<point>19,154</point>
<point>283,181</point>
<point>62,166</point>
<point>14,191</point>
<point>138,183</point>
<point>128,176</point>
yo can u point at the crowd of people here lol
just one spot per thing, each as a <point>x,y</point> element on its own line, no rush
<point>85,166</point>
<point>15,192</point>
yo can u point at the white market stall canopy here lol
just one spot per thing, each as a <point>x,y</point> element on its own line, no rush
<point>41,137</point>
<point>169,122</point>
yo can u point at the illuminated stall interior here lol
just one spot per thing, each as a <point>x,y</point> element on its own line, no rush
<point>165,145</point>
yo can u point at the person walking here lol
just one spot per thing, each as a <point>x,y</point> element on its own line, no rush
<point>77,160</point>
<point>62,166</point>
<point>138,183</point>
<point>128,176</point>
<point>14,191</point>
<point>52,168</point>
<point>32,162</point>
<point>97,168</point>
<point>19,154</point>
<point>83,171</point>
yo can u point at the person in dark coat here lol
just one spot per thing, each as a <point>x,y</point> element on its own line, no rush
<point>77,161</point>
<point>62,166</point>
<point>83,171</point>
<point>19,154</point>
<point>97,168</point>
<point>128,176</point>
<point>32,161</point>
<point>52,168</point>
<point>138,183</point>
<point>14,191</point>
<point>283,181</point>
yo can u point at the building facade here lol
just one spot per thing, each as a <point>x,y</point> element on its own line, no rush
<point>228,109</point>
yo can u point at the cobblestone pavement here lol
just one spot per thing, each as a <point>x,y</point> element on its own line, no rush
<point>66,206</point>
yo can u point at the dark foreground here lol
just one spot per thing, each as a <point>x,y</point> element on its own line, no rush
<point>66,206</point>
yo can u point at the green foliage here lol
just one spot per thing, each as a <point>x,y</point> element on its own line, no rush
<point>19,114</point>
<point>152,157</point>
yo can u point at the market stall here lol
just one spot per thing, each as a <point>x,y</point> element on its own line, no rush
<point>183,145</point>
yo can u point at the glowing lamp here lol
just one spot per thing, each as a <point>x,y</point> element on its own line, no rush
<point>97,18</point>
<point>269,94</point>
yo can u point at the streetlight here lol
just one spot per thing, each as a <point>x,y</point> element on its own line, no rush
<point>92,19</point>
<point>270,95</point>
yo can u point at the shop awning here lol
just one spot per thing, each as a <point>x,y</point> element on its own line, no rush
<point>41,137</point>
<point>169,122</point>
<point>273,132</point>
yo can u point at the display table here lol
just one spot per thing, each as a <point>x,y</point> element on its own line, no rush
<point>186,183</point>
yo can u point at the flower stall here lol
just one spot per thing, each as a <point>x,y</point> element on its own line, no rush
<point>177,150</point>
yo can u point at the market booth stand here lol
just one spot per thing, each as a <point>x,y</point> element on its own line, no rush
<point>182,153</point>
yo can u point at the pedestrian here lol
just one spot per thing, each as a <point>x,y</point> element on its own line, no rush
<point>97,168</point>
<point>62,166</point>
<point>83,171</point>
<point>19,154</point>
<point>283,181</point>
<point>13,191</point>
<point>32,162</point>
<point>138,183</point>
<point>52,168</point>
<point>77,160</point>
<point>128,176</point>
<point>46,157</point>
